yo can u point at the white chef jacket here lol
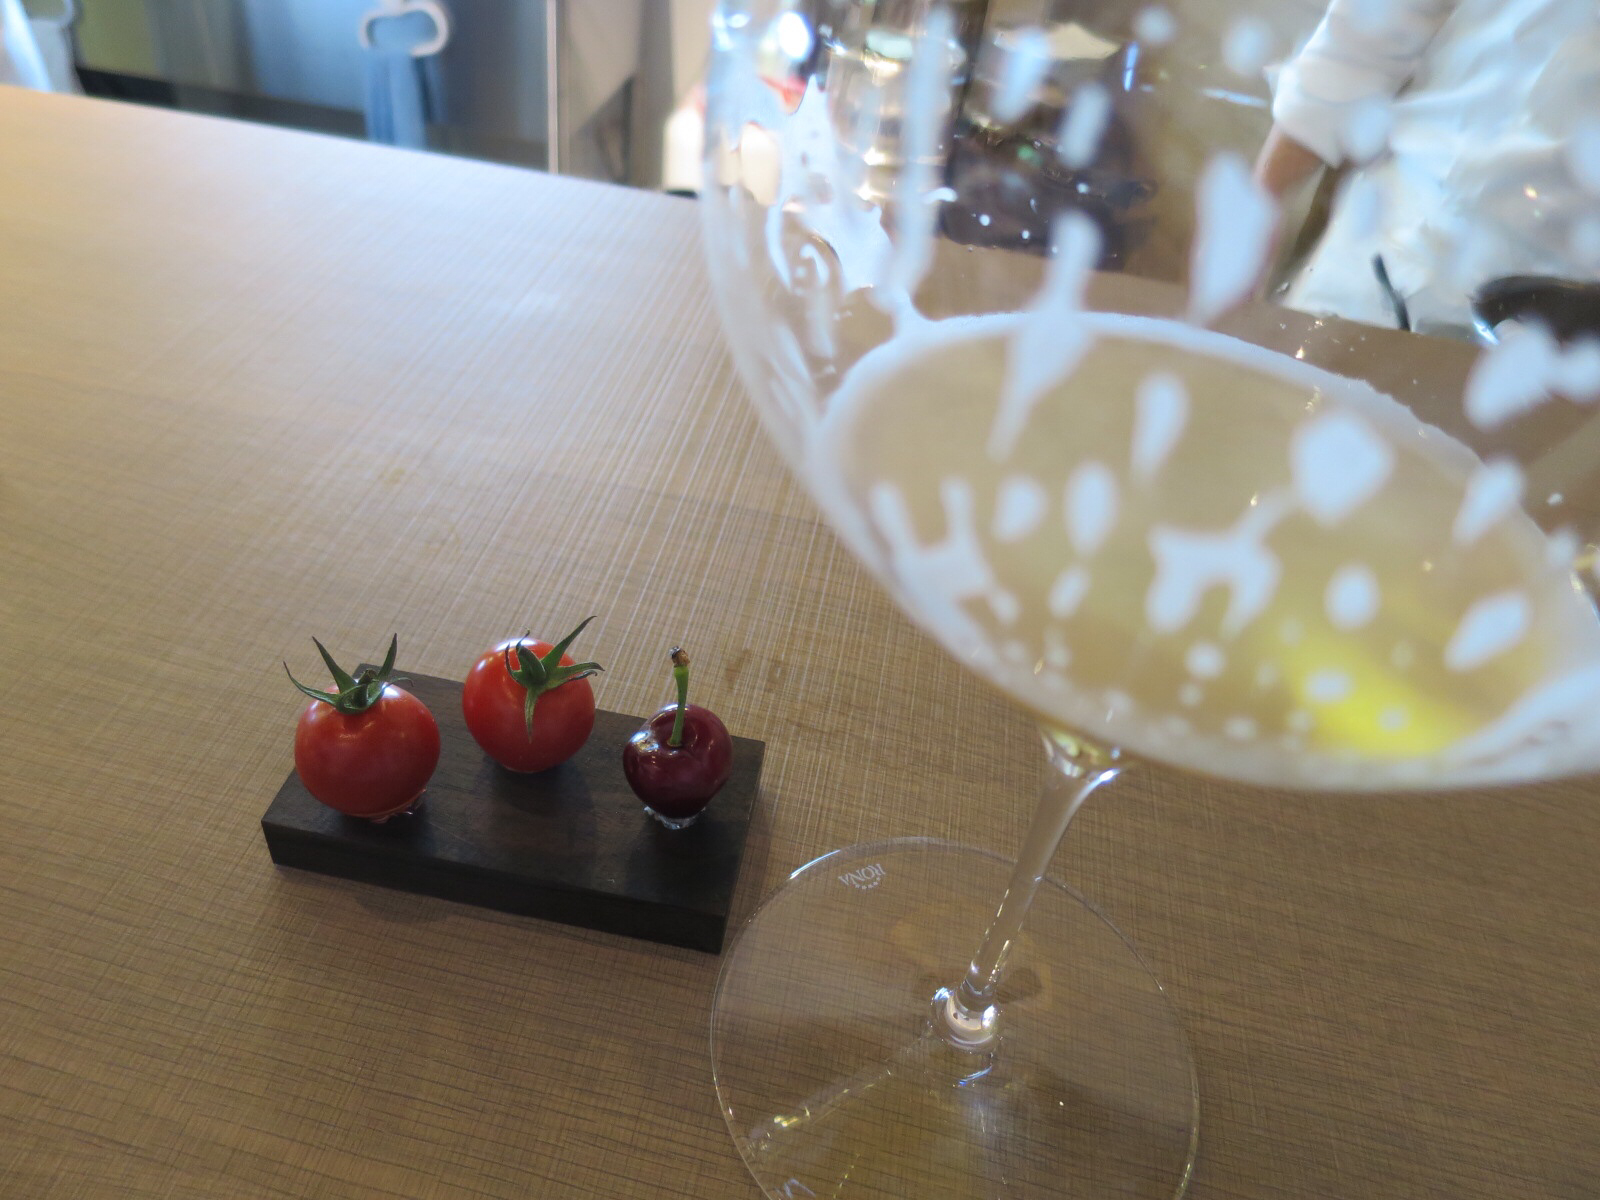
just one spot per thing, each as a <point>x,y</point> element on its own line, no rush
<point>1487,103</point>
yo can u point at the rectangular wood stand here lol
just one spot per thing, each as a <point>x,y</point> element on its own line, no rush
<point>571,844</point>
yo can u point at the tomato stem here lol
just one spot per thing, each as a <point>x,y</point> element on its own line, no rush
<point>541,675</point>
<point>680,675</point>
<point>352,695</point>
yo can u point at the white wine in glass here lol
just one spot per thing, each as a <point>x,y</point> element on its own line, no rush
<point>1217,556</point>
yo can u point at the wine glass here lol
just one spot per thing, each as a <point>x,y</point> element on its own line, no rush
<point>993,276</point>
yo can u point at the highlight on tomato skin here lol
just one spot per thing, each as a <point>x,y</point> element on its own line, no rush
<point>527,704</point>
<point>365,747</point>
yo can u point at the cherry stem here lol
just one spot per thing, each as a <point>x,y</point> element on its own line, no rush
<point>680,674</point>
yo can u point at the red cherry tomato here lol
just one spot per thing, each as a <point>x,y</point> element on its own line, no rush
<point>372,763</point>
<point>494,705</point>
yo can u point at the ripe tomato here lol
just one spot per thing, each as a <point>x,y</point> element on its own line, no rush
<point>373,763</point>
<point>364,747</point>
<point>528,704</point>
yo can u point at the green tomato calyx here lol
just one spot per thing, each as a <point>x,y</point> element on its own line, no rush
<point>356,693</point>
<point>540,675</point>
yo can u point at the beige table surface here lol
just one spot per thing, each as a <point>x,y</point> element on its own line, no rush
<point>256,386</point>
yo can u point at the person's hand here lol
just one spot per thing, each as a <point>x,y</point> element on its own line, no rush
<point>1282,168</point>
<point>1284,164</point>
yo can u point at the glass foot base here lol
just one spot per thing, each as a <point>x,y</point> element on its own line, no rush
<point>833,1085</point>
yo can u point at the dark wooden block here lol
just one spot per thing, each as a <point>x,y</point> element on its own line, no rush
<point>572,844</point>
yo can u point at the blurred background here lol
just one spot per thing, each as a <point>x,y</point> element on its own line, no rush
<point>613,90</point>
<point>584,87</point>
<point>610,89</point>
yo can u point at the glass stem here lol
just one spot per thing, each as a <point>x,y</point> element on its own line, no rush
<point>966,1014</point>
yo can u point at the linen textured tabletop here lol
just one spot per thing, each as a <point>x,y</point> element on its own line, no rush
<point>257,386</point>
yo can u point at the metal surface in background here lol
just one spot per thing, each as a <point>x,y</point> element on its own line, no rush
<point>577,88</point>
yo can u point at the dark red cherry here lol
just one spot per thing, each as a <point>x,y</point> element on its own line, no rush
<point>681,758</point>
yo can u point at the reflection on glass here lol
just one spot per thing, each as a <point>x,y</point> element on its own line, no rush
<point>994,280</point>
